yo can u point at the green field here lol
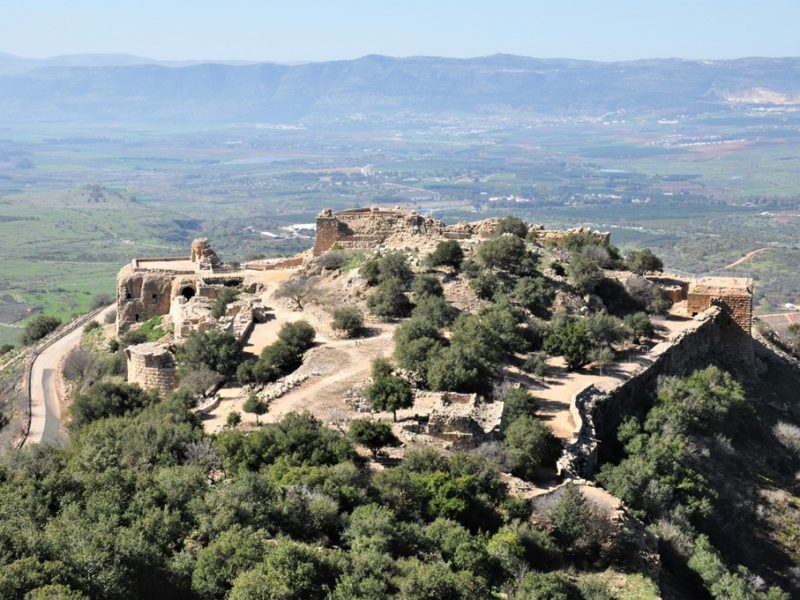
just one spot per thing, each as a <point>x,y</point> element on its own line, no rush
<point>85,205</point>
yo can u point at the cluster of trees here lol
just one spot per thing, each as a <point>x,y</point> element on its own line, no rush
<point>143,504</point>
<point>281,357</point>
<point>666,475</point>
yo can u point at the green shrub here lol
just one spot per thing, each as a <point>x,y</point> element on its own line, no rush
<point>107,399</point>
<point>426,285</point>
<point>485,285</point>
<point>387,392</point>
<point>226,296</point>
<point>213,349</point>
<point>389,300</point>
<point>639,326</point>
<point>507,253</point>
<point>571,340</point>
<point>513,225</point>
<point>91,326</point>
<point>435,310</point>
<point>533,294</point>
<point>530,445</point>
<point>391,266</point>
<point>536,364</point>
<point>298,335</point>
<point>446,254</point>
<point>643,261</point>
<point>517,402</point>
<point>38,327</point>
<point>348,320</point>
<point>373,435</point>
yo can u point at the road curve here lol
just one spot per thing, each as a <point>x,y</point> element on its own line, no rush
<point>45,408</point>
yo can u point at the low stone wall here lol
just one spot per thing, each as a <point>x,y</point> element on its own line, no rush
<point>598,414</point>
<point>275,264</point>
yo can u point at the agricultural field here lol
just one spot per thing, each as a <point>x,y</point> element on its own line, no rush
<point>76,205</point>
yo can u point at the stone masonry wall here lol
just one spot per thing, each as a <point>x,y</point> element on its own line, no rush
<point>141,295</point>
<point>152,366</point>
<point>598,413</point>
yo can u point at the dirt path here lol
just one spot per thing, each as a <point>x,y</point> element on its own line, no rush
<point>745,258</point>
<point>556,391</point>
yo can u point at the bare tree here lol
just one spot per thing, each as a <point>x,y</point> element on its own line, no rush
<point>297,289</point>
<point>80,363</point>
<point>199,381</point>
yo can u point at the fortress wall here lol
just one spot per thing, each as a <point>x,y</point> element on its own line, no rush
<point>598,413</point>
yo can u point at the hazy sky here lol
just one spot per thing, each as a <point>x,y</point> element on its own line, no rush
<point>279,30</point>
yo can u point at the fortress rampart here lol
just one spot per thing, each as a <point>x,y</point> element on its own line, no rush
<point>598,413</point>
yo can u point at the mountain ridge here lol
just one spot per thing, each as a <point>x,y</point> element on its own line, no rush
<point>385,87</point>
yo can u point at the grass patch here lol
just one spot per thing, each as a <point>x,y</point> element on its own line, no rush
<point>153,329</point>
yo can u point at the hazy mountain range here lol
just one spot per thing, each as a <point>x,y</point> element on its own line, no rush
<point>124,88</point>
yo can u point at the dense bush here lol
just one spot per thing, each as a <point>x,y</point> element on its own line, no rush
<point>107,399</point>
<point>392,266</point>
<point>387,391</point>
<point>530,445</point>
<point>446,254</point>
<point>389,300</point>
<point>647,295</point>
<point>485,285</point>
<point>39,327</point>
<point>517,402</point>
<point>572,340</point>
<point>435,310</point>
<point>298,335</point>
<point>508,253</point>
<point>348,320</point>
<point>425,286</point>
<point>213,349</point>
<point>417,342</point>
<point>533,294</point>
<point>584,272</point>
<point>373,435</point>
<point>279,358</point>
<point>513,225</point>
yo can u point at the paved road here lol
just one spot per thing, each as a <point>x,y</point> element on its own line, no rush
<point>45,408</point>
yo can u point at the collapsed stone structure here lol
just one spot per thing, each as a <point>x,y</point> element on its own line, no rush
<point>369,228</point>
<point>462,421</point>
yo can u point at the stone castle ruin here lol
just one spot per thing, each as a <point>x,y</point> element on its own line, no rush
<point>182,291</point>
<point>369,228</point>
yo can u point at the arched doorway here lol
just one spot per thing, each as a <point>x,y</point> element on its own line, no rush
<point>188,292</point>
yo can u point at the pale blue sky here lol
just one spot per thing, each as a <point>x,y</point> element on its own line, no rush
<point>283,31</point>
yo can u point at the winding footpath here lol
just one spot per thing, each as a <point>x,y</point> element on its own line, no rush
<point>45,425</point>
